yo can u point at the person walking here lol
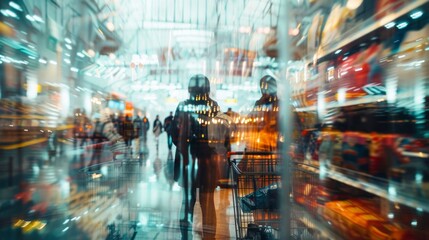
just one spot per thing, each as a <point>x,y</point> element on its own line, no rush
<point>138,126</point>
<point>145,128</point>
<point>196,163</point>
<point>167,128</point>
<point>264,134</point>
<point>157,129</point>
<point>97,143</point>
<point>128,131</point>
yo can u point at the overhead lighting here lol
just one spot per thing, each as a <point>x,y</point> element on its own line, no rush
<point>244,29</point>
<point>73,69</point>
<point>167,25</point>
<point>66,60</point>
<point>53,62</point>
<point>353,4</point>
<point>79,54</point>
<point>402,25</point>
<point>41,60</point>
<point>110,26</point>
<point>91,52</point>
<point>264,30</point>
<point>294,31</point>
<point>67,40</point>
<point>390,25</point>
<point>16,6</point>
<point>30,18</point>
<point>68,46</point>
<point>8,13</point>
<point>338,51</point>
<point>416,15</point>
<point>38,19</point>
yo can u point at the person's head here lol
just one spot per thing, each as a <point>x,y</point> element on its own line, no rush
<point>199,85</point>
<point>157,116</point>
<point>171,113</point>
<point>268,85</point>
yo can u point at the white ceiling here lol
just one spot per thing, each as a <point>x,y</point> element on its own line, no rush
<point>191,35</point>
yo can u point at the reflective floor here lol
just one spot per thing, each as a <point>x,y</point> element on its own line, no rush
<point>76,196</point>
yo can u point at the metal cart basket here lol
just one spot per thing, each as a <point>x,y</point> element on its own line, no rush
<point>256,185</point>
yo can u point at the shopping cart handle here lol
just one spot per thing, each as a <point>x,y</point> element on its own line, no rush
<point>263,153</point>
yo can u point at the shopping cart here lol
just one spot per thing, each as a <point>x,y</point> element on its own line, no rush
<point>256,192</point>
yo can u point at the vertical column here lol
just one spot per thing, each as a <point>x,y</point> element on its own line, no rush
<point>285,117</point>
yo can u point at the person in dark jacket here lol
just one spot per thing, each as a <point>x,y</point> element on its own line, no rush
<point>167,128</point>
<point>196,165</point>
<point>146,126</point>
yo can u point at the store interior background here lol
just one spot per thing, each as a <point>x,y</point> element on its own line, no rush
<point>358,79</point>
<point>91,49</point>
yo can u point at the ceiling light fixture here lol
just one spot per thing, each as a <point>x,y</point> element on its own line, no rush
<point>110,26</point>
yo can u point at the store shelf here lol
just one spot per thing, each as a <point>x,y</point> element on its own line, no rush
<point>380,187</point>
<point>362,100</point>
<point>312,222</point>
<point>326,50</point>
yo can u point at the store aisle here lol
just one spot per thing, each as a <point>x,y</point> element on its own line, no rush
<point>71,197</point>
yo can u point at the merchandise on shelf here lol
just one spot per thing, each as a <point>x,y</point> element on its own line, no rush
<point>365,78</point>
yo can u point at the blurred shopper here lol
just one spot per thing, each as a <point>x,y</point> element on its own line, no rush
<point>167,128</point>
<point>82,127</point>
<point>52,144</point>
<point>116,141</point>
<point>97,143</point>
<point>146,127</point>
<point>120,122</point>
<point>157,128</point>
<point>128,130</point>
<point>263,128</point>
<point>138,126</point>
<point>138,129</point>
<point>196,162</point>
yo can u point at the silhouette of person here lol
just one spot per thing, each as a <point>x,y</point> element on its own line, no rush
<point>196,164</point>
<point>167,128</point>
<point>146,127</point>
<point>264,131</point>
<point>128,130</point>
<point>138,126</point>
<point>157,130</point>
<point>97,141</point>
